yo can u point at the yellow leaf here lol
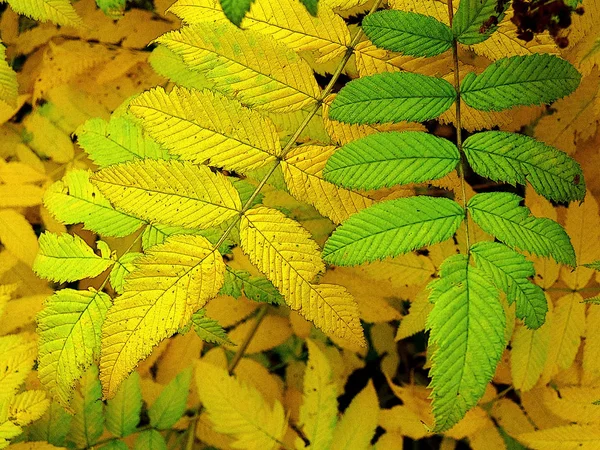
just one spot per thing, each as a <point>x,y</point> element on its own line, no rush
<point>8,80</point>
<point>49,140</point>
<point>390,441</point>
<point>273,331</point>
<point>20,195</point>
<point>170,192</point>
<point>170,283</point>
<point>17,354</point>
<point>487,438</point>
<point>285,20</point>
<point>202,126</point>
<point>180,353</point>
<point>382,336</point>
<point>536,410</point>
<point>357,426</point>
<point>415,320</point>
<point>303,174</point>
<point>28,406</point>
<point>229,311</point>
<point>591,348</point>
<point>400,419</point>
<point>511,417</point>
<point>253,68</point>
<point>206,434</point>
<point>15,172</point>
<point>434,8</point>
<point>290,259</point>
<point>574,404</point>
<point>39,445</point>
<point>60,12</point>
<point>569,437</point>
<point>475,421</point>
<point>239,410</point>
<point>268,384</point>
<point>17,236</point>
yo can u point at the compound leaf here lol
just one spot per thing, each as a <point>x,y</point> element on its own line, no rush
<point>514,158</point>
<point>407,32</point>
<point>386,159</point>
<point>476,20</point>
<point>286,254</point>
<point>520,80</point>
<point>123,410</point>
<point>171,282</point>
<point>168,408</point>
<point>499,214</point>
<point>467,329</point>
<point>170,192</point>
<point>391,228</point>
<point>392,97</point>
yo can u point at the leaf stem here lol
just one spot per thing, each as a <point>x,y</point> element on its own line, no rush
<point>262,312</point>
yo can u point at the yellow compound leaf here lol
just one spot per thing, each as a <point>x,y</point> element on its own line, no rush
<point>17,354</point>
<point>303,174</point>
<point>170,192</point>
<point>285,20</point>
<point>357,426</point>
<point>273,331</point>
<point>568,437</point>
<point>28,406</point>
<point>239,410</point>
<point>171,282</point>
<point>253,68</point>
<point>202,126</point>
<point>17,236</point>
<point>591,348</point>
<point>286,254</point>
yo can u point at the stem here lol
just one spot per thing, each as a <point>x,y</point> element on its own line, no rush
<point>262,312</point>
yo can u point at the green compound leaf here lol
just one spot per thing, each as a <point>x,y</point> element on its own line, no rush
<point>520,80</point>
<point>392,97</point>
<point>123,410</point>
<point>68,258</point>
<point>407,32</point>
<point>391,228</point>
<point>69,327</point>
<point>150,440</point>
<point>258,289</point>
<point>514,158</point>
<point>467,329</point>
<point>499,214</point>
<point>168,408</point>
<point>386,159</point>
<point>476,20</point>
<point>74,199</point>
<point>235,10</point>
<point>88,421</point>
<point>510,271</point>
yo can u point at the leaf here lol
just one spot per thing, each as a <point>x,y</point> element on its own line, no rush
<point>168,408</point>
<point>285,253</point>
<point>206,127</point>
<point>582,437</point>
<point>88,423</point>
<point>28,406</point>
<point>170,192</point>
<point>63,257</point>
<point>514,158</point>
<point>117,141</point>
<point>318,412</point>
<point>391,228</point>
<point>311,6</point>
<point>52,427</point>
<point>60,12</point>
<point>17,236</point>
<point>303,173</point>
<point>252,68</point>
<point>123,410</point>
<point>69,338</point>
<point>392,97</point>
<point>357,426</point>
<point>239,410</point>
<point>8,80</point>
<point>171,282</point>
<point>235,10</point>
<point>325,34</point>
<point>75,199</point>
<point>407,32</point>
<point>416,319</point>
<point>208,329</point>
<point>258,289</point>
<point>385,159</point>
<point>123,267</point>
<point>150,440</point>
<point>170,65</point>
<point>475,20</point>
<point>520,80</point>
<point>510,272</point>
<point>467,329</point>
<point>499,214</point>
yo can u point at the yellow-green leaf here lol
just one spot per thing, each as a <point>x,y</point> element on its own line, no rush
<point>357,426</point>
<point>61,12</point>
<point>123,410</point>
<point>28,406</point>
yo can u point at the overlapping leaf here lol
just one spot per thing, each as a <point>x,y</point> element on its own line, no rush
<point>171,282</point>
<point>258,289</point>
<point>235,10</point>
<point>208,329</point>
<point>8,80</point>
<point>88,421</point>
<point>385,159</point>
<point>476,20</point>
<point>391,228</point>
<point>514,158</point>
<point>123,410</point>
<point>499,214</point>
<point>168,408</point>
<point>60,12</point>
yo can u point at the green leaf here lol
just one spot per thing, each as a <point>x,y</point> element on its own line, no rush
<point>510,271</point>
<point>385,159</point>
<point>150,440</point>
<point>168,408</point>
<point>123,410</point>
<point>68,258</point>
<point>88,423</point>
<point>52,427</point>
<point>69,329</point>
<point>75,199</point>
<point>593,265</point>
<point>311,6</point>
<point>112,8</point>
<point>235,10</point>
<point>476,20</point>
<point>514,158</point>
<point>391,228</point>
<point>407,32</point>
<point>120,140</point>
<point>392,97</point>
<point>114,445</point>
<point>258,289</point>
<point>208,329</point>
<point>123,267</point>
<point>520,80</point>
<point>467,329</point>
<point>499,214</point>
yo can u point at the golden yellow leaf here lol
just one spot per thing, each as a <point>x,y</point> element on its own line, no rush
<point>574,404</point>
<point>389,441</point>
<point>415,320</point>
<point>400,419</point>
<point>49,140</point>
<point>180,353</point>
<point>205,432</point>
<point>487,438</point>
<point>475,421</point>
<point>269,385</point>
<point>434,8</point>
<point>511,417</point>
<point>357,426</point>
<point>28,406</point>
<point>273,331</point>
<point>536,410</point>
<point>382,337</point>
<point>229,311</point>
<point>591,348</point>
<point>17,354</point>
<point>15,172</point>
<point>568,437</point>
<point>17,236</point>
